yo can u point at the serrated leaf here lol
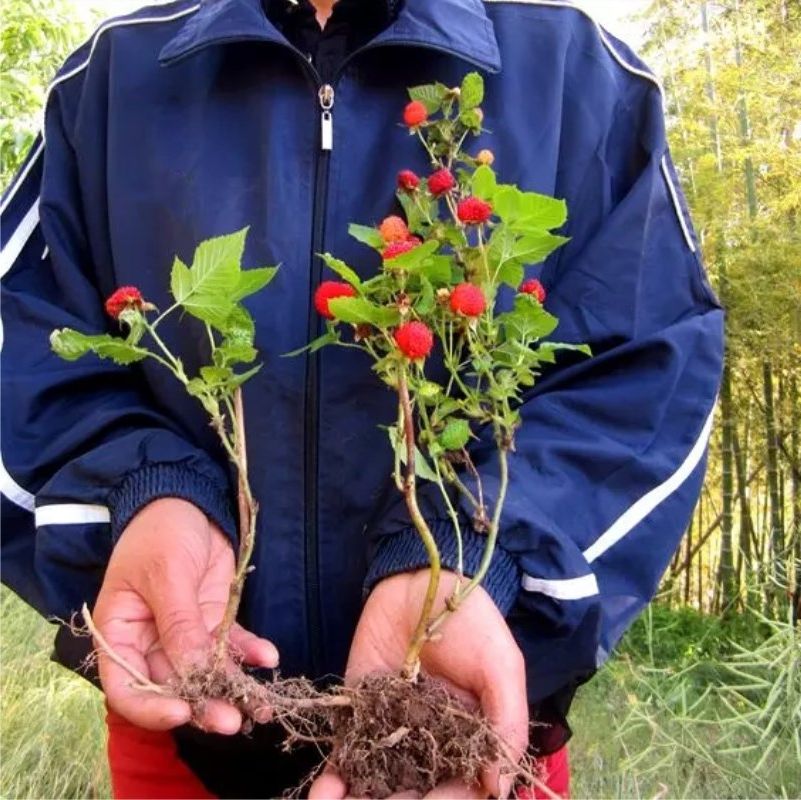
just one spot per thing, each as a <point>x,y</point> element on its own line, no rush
<point>484,182</point>
<point>197,387</point>
<point>429,390</point>
<point>528,320</point>
<point>358,311</point>
<point>329,337</point>
<point>229,353</point>
<point>555,347</point>
<point>414,259</point>
<point>421,466</point>
<point>431,95</point>
<point>71,345</point>
<point>506,202</point>
<point>213,375</point>
<point>438,270</point>
<point>341,269</point>
<point>472,91</point>
<point>541,211</point>
<point>252,281</point>
<point>535,248</point>
<point>205,290</point>
<point>366,235</point>
<point>456,434</point>
<point>471,119</point>
<point>511,273</point>
<point>239,327</point>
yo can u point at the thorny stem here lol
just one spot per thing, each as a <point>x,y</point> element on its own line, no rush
<point>248,509</point>
<point>411,663</point>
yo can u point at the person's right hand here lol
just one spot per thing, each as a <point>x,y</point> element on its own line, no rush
<point>163,595</point>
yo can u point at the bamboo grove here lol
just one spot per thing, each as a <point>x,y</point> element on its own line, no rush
<point>732,74</point>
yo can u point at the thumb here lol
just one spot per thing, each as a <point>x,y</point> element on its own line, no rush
<point>180,624</point>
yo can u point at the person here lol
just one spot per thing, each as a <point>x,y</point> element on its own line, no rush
<point>192,119</point>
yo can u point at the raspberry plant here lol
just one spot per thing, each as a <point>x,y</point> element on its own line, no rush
<point>211,291</point>
<point>447,273</point>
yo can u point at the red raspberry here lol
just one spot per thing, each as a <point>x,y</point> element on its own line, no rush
<point>394,229</point>
<point>415,114</point>
<point>468,300</point>
<point>473,211</point>
<point>534,287</point>
<point>414,339</point>
<point>408,180</point>
<point>394,249</point>
<point>328,290</point>
<point>124,297</point>
<point>440,182</point>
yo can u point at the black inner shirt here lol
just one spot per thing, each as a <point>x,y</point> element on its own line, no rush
<point>352,24</point>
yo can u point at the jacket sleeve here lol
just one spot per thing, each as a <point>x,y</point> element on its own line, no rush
<point>84,447</point>
<point>611,452</point>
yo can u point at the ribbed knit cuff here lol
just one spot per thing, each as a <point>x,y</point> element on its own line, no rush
<point>405,552</point>
<point>170,480</point>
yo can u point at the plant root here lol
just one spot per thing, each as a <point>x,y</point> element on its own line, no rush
<point>385,734</point>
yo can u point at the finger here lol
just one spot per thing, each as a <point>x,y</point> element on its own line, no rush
<point>180,624</point>
<point>405,796</point>
<point>139,706</point>
<point>457,790</point>
<point>329,786</point>
<point>505,703</point>
<point>220,717</point>
<point>254,650</point>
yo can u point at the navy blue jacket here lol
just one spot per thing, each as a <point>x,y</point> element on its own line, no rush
<point>187,120</point>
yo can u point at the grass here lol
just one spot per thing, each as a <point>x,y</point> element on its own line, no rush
<point>683,712</point>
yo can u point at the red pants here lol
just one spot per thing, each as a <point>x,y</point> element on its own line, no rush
<point>145,766</point>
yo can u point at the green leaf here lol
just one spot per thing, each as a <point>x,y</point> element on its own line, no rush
<point>206,289</point>
<point>214,375</point>
<point>341,269</point>
<point>472,91</point>
<point>197,387</point>
<point>414,258</point>
<point>357,311</point>
<point>528,320</point>
<point>428,390</point>
<point>506,202</point>
<point>421,467</point>
<point>238,380</point>
<point>456,434</point>
<point>542,211</point>
<point>425,301</point>
<point>252,281</point>
<point>366,235</point>
<point>535,248</point>
<point>511,273</point>
<point>471,119</point>
<point>229,353</point>
<point>484,182</point>
<point>329,337</point>
<point>431,95</point>
<point>239,327</point>
<point>71,345</point>
<point>438,270</point>
<point>555,347</point>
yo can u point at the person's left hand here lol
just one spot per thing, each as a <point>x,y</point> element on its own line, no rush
<point>476,656</point>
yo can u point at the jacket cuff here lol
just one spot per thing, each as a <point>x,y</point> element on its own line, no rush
<point>170,480</point>
<point>405,552</point>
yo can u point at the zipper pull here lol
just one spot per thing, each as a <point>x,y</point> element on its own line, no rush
<point>326,95</point>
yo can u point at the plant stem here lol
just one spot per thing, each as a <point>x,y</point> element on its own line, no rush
<point>411,663</point>
<point>461,594</point>
<point>248,509</point>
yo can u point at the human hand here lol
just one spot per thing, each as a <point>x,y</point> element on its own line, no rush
<point>477,658</point>
<point>163,595</point>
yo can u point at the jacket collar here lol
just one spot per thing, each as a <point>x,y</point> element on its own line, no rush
<point>460,27</point>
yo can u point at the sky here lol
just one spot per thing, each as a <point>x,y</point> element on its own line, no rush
<point>612,14</point>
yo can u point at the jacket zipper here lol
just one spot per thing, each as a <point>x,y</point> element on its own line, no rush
<point>325,96</point>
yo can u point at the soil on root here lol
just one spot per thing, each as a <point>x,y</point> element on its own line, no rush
<point>401,736</point>
<point>385,734</point>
